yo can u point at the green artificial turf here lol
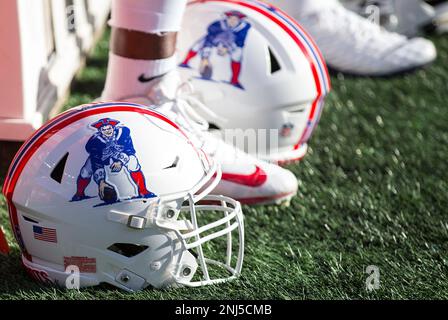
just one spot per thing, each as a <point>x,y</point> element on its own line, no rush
<point>373,191</point>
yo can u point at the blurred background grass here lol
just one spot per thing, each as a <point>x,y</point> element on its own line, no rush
<point>373,191</point>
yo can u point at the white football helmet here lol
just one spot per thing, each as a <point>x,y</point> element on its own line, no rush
<point>259,73</point>
<point>119,193</point>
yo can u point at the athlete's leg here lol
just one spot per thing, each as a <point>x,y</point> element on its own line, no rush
<point>236,57</point>
<point>83,180</point>
<point>193,51</point>
<point>142,46</point>
<point>137,176</point>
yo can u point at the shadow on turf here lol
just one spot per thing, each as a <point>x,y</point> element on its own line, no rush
<point>14,277</point>
<point>16,282</point>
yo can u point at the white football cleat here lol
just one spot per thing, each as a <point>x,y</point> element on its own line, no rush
<point>441,17</point>
<point>407,17</point>
<point>354,45</point>
<point>248,179</point>
<point>244,177</point>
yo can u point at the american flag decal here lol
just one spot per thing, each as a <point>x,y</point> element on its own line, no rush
<point>45,234</point>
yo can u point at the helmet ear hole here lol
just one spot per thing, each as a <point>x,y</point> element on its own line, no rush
<point>58,171</point>
<point>127,249</point>
<point>273,62</point>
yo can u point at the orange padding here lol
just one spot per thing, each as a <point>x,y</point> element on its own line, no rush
<point>4,248</point>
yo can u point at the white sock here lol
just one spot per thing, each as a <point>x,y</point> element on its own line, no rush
<point>151,16</point>
<point>129,78</point>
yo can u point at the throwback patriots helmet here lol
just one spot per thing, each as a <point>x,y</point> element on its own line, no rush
<point>258,71</point>
<point>116,193</point>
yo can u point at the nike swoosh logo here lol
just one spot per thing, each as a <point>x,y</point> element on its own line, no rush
<point>255,179</point>
<point>143,79</point>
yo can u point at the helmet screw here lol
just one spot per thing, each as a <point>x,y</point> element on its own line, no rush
<point>125,278</point>
<point>170,213</point>
<point>186,271</point>
<point>154,266</point>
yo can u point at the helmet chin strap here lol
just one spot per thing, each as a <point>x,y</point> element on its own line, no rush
<point>4,248</point>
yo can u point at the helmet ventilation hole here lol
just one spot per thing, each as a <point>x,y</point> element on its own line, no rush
<point>174,164</point>
<point>58,171</point>
<point>30,220</point>
<point>275,65</point>
<point>213,126</point>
